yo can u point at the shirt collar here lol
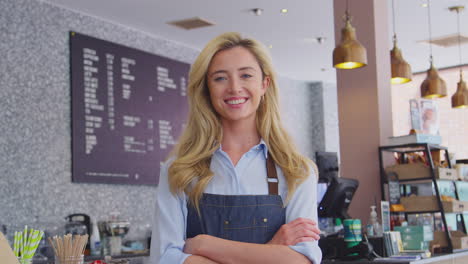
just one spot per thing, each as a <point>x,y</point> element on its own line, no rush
<point>261,145</point>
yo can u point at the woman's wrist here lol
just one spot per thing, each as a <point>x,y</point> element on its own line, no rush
<point>204,244</point>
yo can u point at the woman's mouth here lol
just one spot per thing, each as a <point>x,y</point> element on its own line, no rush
<point>236,101</point>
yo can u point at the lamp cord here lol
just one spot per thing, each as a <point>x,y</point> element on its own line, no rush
<point>459,43</point>
<point>430,28</point>
<point>347,11</point>
<point>393,15</point>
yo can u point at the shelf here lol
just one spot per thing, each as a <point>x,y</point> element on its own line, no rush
<point>424,180</point>
<point>426,212</point>
<point>429,179</point>
<point>422,204</point>
<point>408,148</point>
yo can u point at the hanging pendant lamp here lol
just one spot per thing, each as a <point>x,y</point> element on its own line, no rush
<point>460,97</point>
<point>401,70</point>
<point>433,86</point>
<point>349,54</point>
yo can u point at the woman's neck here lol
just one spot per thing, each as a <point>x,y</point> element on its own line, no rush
<point>238,138</point>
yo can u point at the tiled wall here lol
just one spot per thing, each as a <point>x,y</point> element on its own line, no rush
<point>35,157</point>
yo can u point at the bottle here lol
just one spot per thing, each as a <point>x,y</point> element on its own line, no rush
<point>373,226</point>
<point>95,240</point>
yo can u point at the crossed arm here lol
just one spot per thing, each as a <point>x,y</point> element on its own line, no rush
<point>207,249</point>
<point>169,244</point>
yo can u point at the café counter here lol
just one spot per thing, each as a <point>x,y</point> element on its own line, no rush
<point>454,258</point>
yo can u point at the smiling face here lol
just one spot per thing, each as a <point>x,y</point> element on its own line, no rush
<point>236,84</point>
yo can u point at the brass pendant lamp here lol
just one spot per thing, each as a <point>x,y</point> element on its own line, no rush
<point>349,54</point>
<point>401,70</point>
<point>433,86</point>
<point>460,97</point>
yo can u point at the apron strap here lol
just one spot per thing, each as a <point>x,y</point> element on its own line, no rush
<point>272,177</point>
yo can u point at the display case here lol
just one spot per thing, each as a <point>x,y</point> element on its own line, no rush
<point>411,169</point>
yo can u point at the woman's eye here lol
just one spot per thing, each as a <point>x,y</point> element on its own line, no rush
<point>245,76</point>
<point>219,78</point>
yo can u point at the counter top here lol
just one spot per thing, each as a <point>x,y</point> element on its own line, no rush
<point>89,259</point>
<point>459,257</point>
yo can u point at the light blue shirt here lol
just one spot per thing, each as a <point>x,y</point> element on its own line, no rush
<point>247,177</point>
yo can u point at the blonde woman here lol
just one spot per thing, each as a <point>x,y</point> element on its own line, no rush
<point>235,189</point>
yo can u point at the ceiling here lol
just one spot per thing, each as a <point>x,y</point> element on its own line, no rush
<point>296,54</point>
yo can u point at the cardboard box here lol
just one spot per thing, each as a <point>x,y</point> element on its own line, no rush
<point>446,174</point>
<point>419,203</point>
<point>429,203</point>
<point>409,171</point>
<point>418,233</point>
<point>459,239</point>
<point>416,245</point>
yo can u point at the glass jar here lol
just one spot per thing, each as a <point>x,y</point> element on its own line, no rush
<point>70,260</point>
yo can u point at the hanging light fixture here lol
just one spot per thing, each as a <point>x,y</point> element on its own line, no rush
<point>460,97</point>
<point>433,86</point>
<point>401,70</point>
<point>349,54</point>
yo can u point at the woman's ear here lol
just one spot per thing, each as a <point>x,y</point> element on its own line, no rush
<point>266,83</point>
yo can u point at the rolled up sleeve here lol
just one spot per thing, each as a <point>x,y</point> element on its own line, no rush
<point>168,237</point>
<point>304,204</point>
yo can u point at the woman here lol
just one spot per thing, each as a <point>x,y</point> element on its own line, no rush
<point>220,196</point>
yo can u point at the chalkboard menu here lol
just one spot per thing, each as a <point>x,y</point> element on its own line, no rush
<point>128,109</point>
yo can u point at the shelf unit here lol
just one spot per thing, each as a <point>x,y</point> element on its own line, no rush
<point>425,148</point>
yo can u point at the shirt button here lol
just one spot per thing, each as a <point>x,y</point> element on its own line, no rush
<point>265,220</point>
<point>226,222</point>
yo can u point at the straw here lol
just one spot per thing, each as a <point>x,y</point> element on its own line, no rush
<point>15,244</point>
<point>53,245</point>
<point>33,243</point>
<point>20,242</point>
<point>25,240</point>
<point>26,243</point>
<point>68,246</point>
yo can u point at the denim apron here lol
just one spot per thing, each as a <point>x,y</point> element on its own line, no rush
<point>243,218</point>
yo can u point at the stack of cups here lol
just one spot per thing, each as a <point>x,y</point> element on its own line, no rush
<point>352,232</point>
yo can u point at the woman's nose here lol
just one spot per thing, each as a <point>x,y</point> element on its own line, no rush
<point>235,85</point>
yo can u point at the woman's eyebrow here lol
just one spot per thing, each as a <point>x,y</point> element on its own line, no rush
<point>218,71</point>
<point>247,68</point>
<point>225,71</point>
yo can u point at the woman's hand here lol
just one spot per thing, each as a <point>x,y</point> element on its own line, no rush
<point>195,244</point>
<point>299,230</point>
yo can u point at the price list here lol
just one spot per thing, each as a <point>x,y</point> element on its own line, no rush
<point>128,109</point>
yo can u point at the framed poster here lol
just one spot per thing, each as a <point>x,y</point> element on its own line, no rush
<point>128,109</point>
<point>424,116</point>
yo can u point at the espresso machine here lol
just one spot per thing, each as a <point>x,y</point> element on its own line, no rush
<point>112,232</point>
<point>79,224</point>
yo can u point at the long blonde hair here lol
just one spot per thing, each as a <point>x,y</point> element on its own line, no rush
<point>190,171</point>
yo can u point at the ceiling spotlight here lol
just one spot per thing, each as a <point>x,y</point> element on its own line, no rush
<point>270,46</point>
<point>257,11</point>
<point>284,10</point>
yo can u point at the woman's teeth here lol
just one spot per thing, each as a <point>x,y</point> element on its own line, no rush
<point>237,101</point>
